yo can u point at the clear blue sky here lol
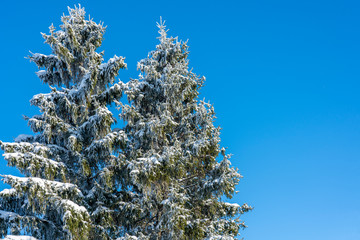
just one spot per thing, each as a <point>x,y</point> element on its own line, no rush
<point>283,77</point>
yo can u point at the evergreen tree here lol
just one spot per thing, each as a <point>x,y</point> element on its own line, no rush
<point>158,177</point>
<point>66,164</point>
<point>171,175</point>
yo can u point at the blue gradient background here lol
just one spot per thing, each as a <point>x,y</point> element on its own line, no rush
<point>283,77</point>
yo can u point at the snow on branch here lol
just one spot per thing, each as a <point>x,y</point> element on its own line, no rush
<point>19,237</point>
<point>30,163</point>
<point>108,71</point>
<point>39,190</point>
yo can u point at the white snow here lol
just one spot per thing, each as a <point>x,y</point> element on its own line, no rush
<point>15,155</point>
<point>23,137</point>
<point>233,205</point>
<point>53,187</point>
<point>74,206</point>
<point>7,191</point>
<point>41,73</point>
<point>17,237</point>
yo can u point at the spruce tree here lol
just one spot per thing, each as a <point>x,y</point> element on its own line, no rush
<point>172,176</point>
<point>161,176</point>
<point>67,163</point>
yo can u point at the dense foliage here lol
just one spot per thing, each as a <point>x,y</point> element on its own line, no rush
<point>158,177</point>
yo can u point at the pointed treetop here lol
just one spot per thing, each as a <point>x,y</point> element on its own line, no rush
<point>162,29</point>
<point>76,13</point>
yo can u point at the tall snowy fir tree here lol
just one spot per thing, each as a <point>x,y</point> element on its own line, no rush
<point>163,175</point>
<point>67,184</point>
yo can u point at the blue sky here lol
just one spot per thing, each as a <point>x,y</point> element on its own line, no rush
<point>283,77</point>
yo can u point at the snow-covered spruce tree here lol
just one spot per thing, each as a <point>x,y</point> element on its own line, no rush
<point>68,162</point>
<point>172,179</point>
